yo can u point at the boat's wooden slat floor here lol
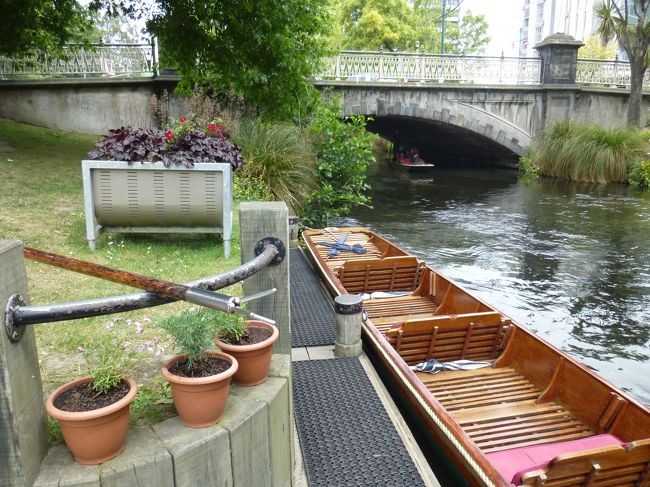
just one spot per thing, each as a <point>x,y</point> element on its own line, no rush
<point>498,409</point>
<point>335,261</point>
<point>384,312</point>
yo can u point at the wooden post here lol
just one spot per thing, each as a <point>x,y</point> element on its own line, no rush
<point>258,220</point>
<point>349,308</point>
<point>23,436</point>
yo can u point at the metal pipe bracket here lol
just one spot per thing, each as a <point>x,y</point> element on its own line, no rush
<point>14,332</point>
<point>282,251</point>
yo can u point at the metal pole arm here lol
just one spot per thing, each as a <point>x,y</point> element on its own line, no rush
<point>268,252</point>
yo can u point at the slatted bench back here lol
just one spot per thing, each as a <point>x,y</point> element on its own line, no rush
<point>389,274</point>
<point>613,466</point>
<point>472,336</point>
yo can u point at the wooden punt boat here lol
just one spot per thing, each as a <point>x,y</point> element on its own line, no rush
<point>534,417</point>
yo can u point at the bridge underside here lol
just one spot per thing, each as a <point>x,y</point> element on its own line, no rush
<point>441,143</point>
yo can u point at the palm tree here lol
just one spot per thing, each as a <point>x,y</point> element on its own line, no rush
<point>628,21</point>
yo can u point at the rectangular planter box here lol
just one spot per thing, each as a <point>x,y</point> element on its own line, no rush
<point>152,198</point>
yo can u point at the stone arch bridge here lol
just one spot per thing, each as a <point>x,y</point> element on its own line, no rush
<point>499,120</point>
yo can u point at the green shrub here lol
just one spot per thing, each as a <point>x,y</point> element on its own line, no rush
<point>587,153</point>
<point>193,332</point>
<point>527,167</point>
<point>108,362</point>
<point>231,328</point>
<point>279,163</point>
<point>639,173</point>
<point>344,151</point>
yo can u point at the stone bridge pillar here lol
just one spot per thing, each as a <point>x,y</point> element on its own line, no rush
<point>559,53</point>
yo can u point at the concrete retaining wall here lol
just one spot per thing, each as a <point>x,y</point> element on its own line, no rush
<point>88,106</point>
<point>251,446</point>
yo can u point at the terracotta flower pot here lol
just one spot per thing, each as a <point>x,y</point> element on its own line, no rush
<point>254,360</point>
<point>200,401</point>
<point>93,436</point>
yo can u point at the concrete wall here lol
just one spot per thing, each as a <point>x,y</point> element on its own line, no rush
<point>90,106</point>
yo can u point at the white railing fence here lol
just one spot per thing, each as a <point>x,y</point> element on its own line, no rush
<point>599,72</point>
<point>100,60</point>
<point>388,66</point>
<point>140,60</point>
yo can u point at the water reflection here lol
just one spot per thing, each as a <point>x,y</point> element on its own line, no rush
<point>571,261</point>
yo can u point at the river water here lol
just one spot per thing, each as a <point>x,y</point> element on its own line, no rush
<point>570,261</point>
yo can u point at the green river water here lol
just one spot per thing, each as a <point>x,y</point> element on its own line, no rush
<point>570,261</point>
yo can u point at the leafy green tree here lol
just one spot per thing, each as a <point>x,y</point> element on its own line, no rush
<point>595,49</point>
<point>471,36</point>
<point>628,21</point>
<point>30,25</point>
<point>376,24</point>
<point>264,51</point>
<point>344,151</point>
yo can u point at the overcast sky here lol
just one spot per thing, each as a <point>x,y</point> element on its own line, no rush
<point>504,18</point>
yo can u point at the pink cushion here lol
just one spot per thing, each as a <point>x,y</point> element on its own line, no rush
<point>513,463</point>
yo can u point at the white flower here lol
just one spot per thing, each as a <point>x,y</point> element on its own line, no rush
<point>110,325</point>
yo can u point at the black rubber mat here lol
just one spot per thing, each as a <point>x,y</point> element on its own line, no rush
<point>346,436</point>
<point>313,322</point>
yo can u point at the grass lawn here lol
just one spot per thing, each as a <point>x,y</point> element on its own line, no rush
<point>41,203</point>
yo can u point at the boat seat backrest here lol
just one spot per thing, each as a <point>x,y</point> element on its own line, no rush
<point>473,336</point>
<point>612,465</point>
<point>389,274</point>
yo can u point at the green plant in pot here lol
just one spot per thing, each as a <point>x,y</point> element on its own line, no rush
<point>199,378</point>
<point>93,411</point>
<point>250,342</point>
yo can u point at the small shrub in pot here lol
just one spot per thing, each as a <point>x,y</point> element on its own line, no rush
<point>251,343</point>
<point>93,411</point>
<point>199,378</point>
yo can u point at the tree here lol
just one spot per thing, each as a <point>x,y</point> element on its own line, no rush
<point>594,48</point>
<point>471,35</point>
<point>628,21</point>
<point>263,50</point>
<point>376,24</point>
<point>31,25</point>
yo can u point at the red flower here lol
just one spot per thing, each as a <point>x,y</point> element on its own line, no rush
<point>212,127</point>
<point>169,135</point>
<point>219,130</point>
<point>183,119</point>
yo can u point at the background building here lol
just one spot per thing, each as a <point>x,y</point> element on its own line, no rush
<point>545,17</point>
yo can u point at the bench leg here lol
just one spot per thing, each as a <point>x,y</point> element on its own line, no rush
<point>226,248</point>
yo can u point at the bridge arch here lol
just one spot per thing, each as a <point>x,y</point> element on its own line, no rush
<point>508,118</point>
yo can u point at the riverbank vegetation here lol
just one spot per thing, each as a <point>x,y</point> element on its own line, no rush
<point>589,153</point>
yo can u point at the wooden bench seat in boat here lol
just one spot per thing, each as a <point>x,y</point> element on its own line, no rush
<point>471,336</point>
<point>498,409</point>
<point>516,462</point>
<point>389,274</point>
<point>616,466</point>
<point>434,295</point>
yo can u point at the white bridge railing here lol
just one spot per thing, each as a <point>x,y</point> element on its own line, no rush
<point>599,72</point>
<point>102,60</point>
<point>388,66</point>
<point>140,60</point>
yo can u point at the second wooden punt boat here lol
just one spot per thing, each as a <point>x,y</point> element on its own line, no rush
<point>535,416</point>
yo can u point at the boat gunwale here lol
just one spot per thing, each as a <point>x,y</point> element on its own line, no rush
<point>393,359</point>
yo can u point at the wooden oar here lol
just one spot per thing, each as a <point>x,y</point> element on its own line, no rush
<point>179,292</point>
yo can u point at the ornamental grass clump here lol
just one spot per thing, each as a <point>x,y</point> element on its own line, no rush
<point>586,153</point>
<point>279,159</point>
